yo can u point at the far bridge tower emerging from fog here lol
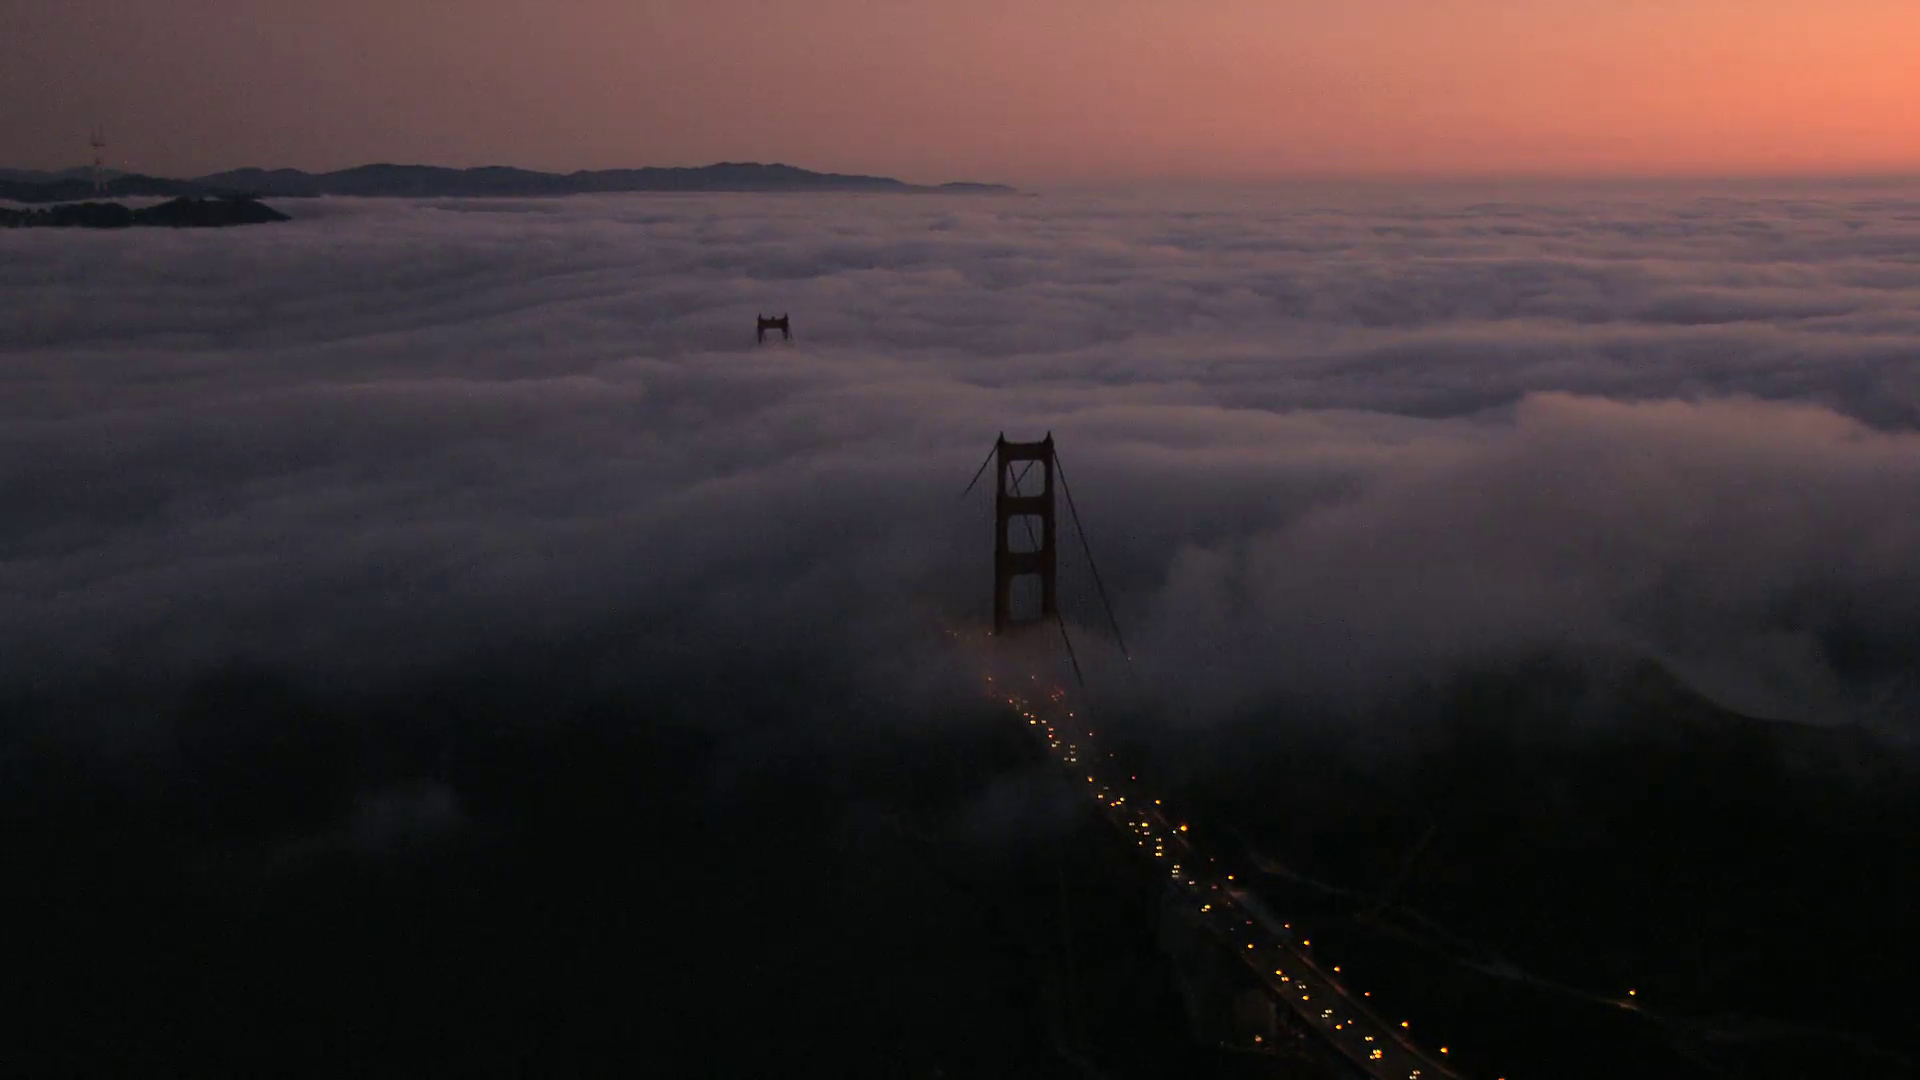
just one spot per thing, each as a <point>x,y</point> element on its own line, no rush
<point>1017,501</point>
<point>98,142</point>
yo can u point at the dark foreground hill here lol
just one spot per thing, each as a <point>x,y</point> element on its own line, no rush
<point>736,871</point>
<point>742,867</point>
<point>185,212</point>
<point>1506,857</point>
<point>429,181</point>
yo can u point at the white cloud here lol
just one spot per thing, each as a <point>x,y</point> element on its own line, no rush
<point>1371,436</point>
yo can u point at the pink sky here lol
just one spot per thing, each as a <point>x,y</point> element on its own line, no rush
<point>1021,90</point>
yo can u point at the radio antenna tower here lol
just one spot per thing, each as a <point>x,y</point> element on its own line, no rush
<point>99,144</point>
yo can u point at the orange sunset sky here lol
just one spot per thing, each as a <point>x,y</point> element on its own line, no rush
<point>1017,90</point>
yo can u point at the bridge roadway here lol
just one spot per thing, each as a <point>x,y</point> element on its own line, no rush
<point>1279,956</point>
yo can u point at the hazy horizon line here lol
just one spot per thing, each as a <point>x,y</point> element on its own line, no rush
<point>1089,181</point>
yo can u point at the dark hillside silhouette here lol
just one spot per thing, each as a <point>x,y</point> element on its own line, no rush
<point>432,181</point>
<point>186,212</point>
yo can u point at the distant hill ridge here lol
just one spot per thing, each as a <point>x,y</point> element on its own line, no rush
<point>184,212</point>
<point>432,181</point>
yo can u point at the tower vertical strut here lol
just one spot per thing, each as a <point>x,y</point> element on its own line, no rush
<point>1010,502</point>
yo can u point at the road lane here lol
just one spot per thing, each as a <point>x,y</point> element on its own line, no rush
<point>1280,956</point>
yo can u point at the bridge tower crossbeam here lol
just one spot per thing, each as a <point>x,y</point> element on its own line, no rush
<point>1011,501</point>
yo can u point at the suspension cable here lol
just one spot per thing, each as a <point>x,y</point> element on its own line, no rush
<point>982,470</point>
<point>1081,531</point>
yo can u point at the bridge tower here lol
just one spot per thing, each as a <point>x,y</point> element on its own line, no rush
<point>1015,505</point>
<point>99,144</point>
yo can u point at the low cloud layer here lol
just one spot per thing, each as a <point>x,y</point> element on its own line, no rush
<point>1325,442</point>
